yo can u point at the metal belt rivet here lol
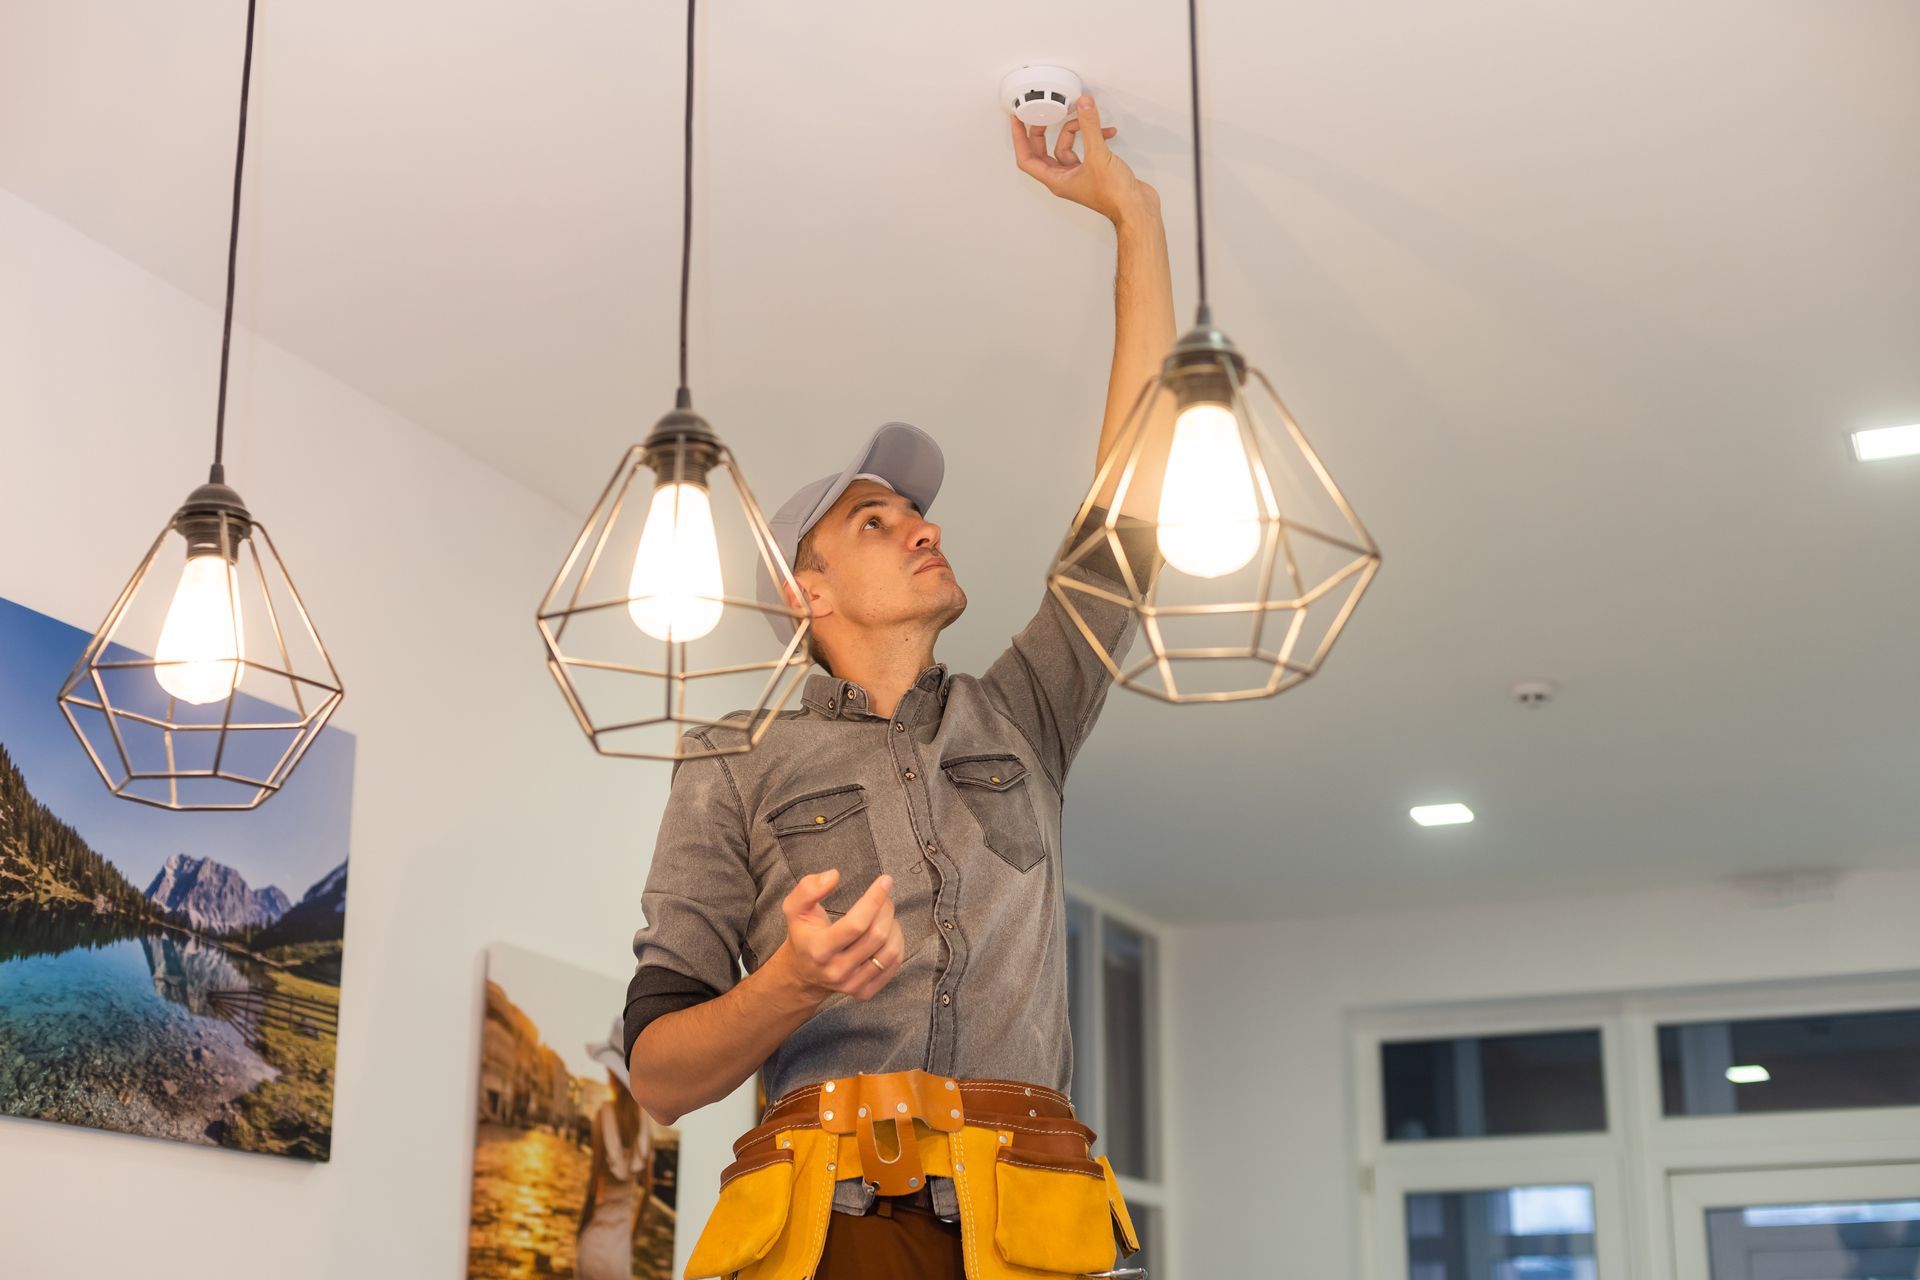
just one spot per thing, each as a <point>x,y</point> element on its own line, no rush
<point>1032,1112</point>
<point>952,1085</point>
<point>829,1086</point>
<point>959,1168</point>
<point>786,1144</point>
<point>830,1166</point>
<point>829,1115</point>
<point>1029,1093</point>
<point>1004,1139</point>
<point>913,1182</point>
<point>863,1113</point>
<point>955,1113</point>
<point>901,1107</point>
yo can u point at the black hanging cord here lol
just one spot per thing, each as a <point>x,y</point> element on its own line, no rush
<point>218,473</point>
<point>684,398</point>
<point>1199,209</point>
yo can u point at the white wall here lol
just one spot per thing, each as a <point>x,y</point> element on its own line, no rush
<point>1261,1145</point>
<point>479,813</point>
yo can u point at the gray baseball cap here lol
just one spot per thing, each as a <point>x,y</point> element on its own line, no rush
<point>904,457</point>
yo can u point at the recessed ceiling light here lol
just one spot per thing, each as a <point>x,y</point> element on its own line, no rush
<point>1748,1075</point>
<point>1441,815</point>
<point>1887,442</point>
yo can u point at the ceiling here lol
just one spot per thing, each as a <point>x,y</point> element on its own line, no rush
<point>1576,300</point>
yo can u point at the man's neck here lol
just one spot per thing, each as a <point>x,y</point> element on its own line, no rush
<point>885,666</point>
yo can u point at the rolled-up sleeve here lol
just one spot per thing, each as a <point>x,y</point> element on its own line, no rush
<point>698,900</point>
<point>1050,682</point>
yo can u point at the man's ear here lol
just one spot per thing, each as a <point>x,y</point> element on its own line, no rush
<point>815,587</point>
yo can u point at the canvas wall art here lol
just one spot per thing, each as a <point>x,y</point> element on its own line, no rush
<point>173,975</point>
<point>570,1176</point>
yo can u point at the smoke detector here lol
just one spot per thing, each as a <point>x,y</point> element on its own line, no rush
<point>1040,95</point>
<point>1534,693</point>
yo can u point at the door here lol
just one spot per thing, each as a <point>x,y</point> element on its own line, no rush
<point>1854,1223</point>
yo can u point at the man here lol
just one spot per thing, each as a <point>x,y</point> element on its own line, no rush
<point>885,865</point>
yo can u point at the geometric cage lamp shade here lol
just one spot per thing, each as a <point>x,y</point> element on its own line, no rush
<point>237,686</point>
<point>649,635</point>
<point>1237,551</point>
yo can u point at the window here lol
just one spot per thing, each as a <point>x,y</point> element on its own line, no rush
<point>1791,1064</point>
<point>1493,1086</point>
<point>1127,972</point>
<point>1514,1233</point>
<point>1113,994</point>
<point>1798,1222</point>
<point>1759,1141</point>
<point>1080,998</point>
<point>1875,1239</point>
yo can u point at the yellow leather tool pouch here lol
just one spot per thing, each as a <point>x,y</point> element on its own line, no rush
<point>771,1220</point>
<point>1033,1206</point>
<point>1054,1214</point>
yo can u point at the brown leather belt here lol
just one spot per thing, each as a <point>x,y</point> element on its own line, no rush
<point>880,1112</point>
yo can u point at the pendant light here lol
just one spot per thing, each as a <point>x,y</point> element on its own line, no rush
<point>645,581</point>
<point>239,685</point>
<point>1264,560</point>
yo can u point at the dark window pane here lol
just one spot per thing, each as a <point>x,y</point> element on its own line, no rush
<point>1126,981</point>
<point>1079,1001</point>
<point>1868,1239</point>
<point>1494,1086</point>
<point>1791,1064</point>
<point>1514,1233</point>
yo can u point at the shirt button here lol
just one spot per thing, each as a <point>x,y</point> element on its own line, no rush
<point>945,998</point>
<point>946,924</point>
<point>931,848</point>
<point>899,727</point>
<point>909,775</point>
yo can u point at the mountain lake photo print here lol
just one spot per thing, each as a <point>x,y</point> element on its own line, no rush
<point>174,975</point>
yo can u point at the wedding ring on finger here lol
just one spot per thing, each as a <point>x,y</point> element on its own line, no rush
<point>877,963</point>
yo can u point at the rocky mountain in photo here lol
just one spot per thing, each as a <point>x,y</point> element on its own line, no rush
<point>213,897</point>
<point>320,916</point>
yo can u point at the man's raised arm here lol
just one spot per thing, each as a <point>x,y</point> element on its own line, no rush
<point>1143,325</point>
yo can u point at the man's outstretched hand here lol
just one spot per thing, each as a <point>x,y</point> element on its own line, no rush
<point>829,955</point>
<point>1100,180</point>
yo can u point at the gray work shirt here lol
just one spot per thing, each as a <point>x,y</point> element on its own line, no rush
<point>957,797</point>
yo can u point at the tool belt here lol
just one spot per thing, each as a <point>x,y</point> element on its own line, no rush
<point>1032,1203</point>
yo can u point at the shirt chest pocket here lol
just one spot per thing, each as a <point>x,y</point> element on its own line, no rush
<point>829,830</point>
<point>996,791</point>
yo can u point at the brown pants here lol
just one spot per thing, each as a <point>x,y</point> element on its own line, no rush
<point>891,1244</point>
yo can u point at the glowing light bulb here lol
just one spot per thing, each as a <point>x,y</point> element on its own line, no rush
<point>676,592</point>
<point>1209,514</point>
<point>201,637</point>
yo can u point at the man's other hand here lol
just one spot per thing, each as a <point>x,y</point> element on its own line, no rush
<point>831,955</point>
<point>1100,180</point>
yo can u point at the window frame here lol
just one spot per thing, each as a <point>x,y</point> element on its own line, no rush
<point>1642,1149</point>
<point>1152,1191</point>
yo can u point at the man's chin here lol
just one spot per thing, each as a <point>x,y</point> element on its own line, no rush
<point>954,604</point>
